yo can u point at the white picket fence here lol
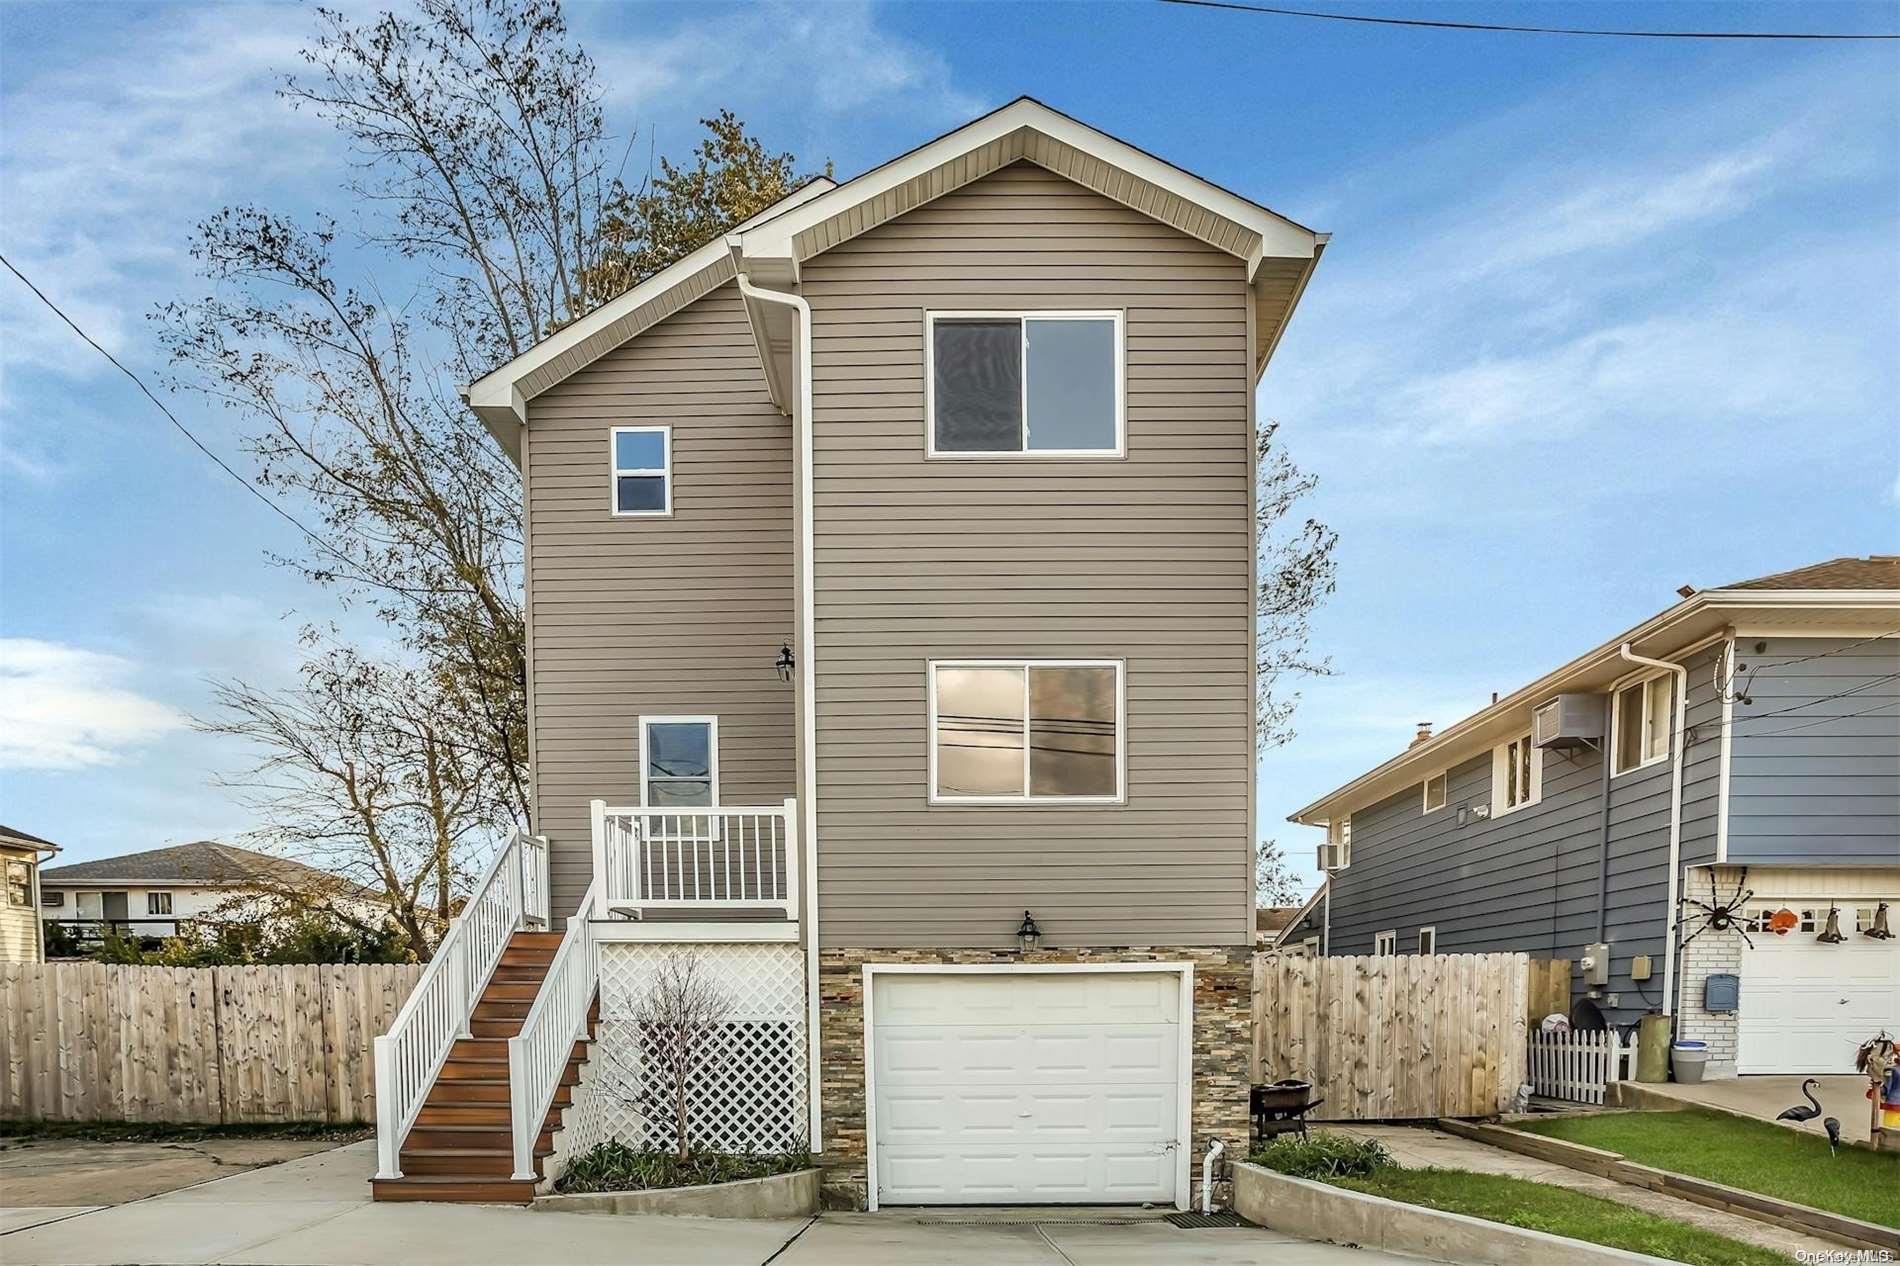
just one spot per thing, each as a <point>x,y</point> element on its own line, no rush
<point>1577,1066</point>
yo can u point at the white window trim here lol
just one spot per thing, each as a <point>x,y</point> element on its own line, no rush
<point>1385,943</point>
<point>152,900</point>
<point>1026,315</point>
<point>614,471</point>
<point>1425,791</point>
<point>1121,731</point>
<point>1429,930</point>
<point>1500,758</point>
<point>712,739</point>
<point>1185,1060</point>
<point>1616,715</point>
<point>1310,946</point>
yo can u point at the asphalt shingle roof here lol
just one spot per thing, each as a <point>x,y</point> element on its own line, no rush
<point>202,862</point>
<point>1880,571</point>
<point>21,837</point>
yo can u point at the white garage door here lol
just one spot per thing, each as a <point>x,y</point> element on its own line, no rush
<point>1805,1006</point>
<point>1026,1089</point>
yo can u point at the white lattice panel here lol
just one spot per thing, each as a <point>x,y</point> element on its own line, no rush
<point>751,1094</point>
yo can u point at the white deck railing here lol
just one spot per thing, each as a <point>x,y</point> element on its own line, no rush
<point>1578,1066</point>
<point>538,1055</point>
<point>716,858</point>
<point>408,1057</point>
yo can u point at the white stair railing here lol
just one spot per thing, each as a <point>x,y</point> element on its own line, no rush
<point>409,1056</point>
<point>719,856</point>
<point>538,1055</point>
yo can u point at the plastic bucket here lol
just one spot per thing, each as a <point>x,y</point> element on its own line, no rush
<point>1689,1059</point>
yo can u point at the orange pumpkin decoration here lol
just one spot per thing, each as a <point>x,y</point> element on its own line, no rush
<point>1784,921</point>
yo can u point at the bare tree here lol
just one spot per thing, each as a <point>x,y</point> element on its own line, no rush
<point>363,776</point>
<point>1274,883</point>
<point>674,1029</point>
<point>1296,572</point>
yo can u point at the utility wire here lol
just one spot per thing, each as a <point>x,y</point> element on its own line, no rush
<point>183,430</point>
<point>1527,30</point>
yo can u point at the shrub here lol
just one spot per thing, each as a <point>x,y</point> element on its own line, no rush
<point>613,1166</point>
<point>1323,1156</point>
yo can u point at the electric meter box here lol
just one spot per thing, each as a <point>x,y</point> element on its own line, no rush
<point>1597,971</point>
<point>1721,991</point>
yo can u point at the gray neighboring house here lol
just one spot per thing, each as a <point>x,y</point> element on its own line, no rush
<point>1740,750</point>
<point>902,541</point>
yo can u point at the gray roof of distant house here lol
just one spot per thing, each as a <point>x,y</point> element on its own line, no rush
<point>205,862</point>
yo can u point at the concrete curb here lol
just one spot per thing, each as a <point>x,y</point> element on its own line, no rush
<point>1748,1204</point>
<point>1320,1211</point>
<point>793,1195</point>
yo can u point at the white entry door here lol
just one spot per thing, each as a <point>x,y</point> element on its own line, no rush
<point>1059,1088</point>
<point>1806,1006</point>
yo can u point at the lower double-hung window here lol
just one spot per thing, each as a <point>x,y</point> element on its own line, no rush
<point>1026,731</point>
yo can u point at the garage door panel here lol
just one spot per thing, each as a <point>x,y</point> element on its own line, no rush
<point>1806,1006</point>
<point>1020,1089</point>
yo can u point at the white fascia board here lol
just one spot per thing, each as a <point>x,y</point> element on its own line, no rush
<point>1471,735</point>
<point>1279,236</point>
<point>495,398</point>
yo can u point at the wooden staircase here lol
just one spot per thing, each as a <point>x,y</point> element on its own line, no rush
<point>461,1148</point>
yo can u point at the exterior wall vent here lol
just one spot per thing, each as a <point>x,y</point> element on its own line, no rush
<point>1569,720</point>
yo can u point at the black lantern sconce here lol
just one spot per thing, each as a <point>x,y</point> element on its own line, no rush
<point>785,662</point>
<point>1029,936</point>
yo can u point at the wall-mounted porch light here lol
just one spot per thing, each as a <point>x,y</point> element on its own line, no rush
<point>785,662</point>
<point>1029,936</point>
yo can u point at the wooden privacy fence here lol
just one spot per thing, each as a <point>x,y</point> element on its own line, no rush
<point>1547,990</point>
<point>1578,1066</point>
<point>1394,1036</point>
<point>92,1042</point>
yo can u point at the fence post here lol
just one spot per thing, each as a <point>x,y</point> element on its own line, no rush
<point>387,1122</point>
<point>791,859</point>
<point>597,813</point>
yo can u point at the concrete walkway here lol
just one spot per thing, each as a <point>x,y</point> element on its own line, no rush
<point>1419,1147</point>
<point>1843,1097</point>
<point>80,1172</point>
<point>316,1212</point>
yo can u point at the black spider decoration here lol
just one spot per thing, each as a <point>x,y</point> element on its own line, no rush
<point>1718,914</point>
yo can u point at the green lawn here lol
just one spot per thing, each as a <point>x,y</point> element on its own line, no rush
<point>1752,1155</point>
<point>1559,1211</point>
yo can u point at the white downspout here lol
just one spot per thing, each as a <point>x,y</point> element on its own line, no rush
<point>1326,921</point>
<point>807,683</point>
<point>1207,1175</point>
<point>1675,817</point>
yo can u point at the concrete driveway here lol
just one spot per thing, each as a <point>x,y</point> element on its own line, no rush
<point>316,1212</point>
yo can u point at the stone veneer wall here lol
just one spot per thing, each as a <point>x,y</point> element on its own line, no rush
<point>1218,1085</point>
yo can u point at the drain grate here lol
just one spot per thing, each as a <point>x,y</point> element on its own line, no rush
<point>1206,1221</point>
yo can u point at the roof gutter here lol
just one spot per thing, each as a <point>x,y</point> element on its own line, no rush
<point>807,684</point>
<point>1675,815</point>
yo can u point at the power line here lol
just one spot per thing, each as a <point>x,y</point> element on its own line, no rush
<point>183,430</point>
<point>1527,30</point>
<point>1882,706</point>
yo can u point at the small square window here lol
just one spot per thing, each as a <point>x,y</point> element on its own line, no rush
<point>52,899</point>
<point>1428,940</point>
<point>642,458</point>
<point>1435,787</point>
<point>1386,942</point>
<point>1012,383</point>
<point>158,903</point>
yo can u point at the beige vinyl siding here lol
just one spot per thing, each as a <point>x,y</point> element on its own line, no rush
<point>1146,559</point>
<point>659,616</point>
<point>19,925</point>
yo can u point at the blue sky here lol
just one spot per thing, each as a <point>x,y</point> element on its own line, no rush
<point>1600,318</point>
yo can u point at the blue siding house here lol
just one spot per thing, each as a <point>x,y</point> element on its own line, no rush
<point>1714,793</point>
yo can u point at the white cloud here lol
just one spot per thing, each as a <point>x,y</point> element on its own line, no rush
<point>64,707</point>
<point>827,60</point>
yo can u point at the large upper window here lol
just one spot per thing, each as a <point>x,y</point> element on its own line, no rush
<point>1640,735</point>
<point>1034,382</point>
<point>1012,731</point>
<point>679,762</point>
<point>642,464</point>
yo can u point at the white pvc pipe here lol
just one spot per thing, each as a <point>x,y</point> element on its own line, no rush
<point>1675,817</point>
<point>1207,1175</point>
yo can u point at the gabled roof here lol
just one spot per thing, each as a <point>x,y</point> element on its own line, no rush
<point>8,835</point>
<point>1299,915</point>
<point>1860,596</point>
<point>1279,254</point>
<point>1878,571</point>
<point>205,863</point>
